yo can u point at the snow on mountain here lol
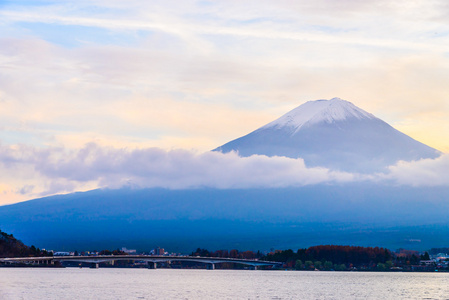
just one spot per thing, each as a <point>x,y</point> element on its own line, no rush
<point>313,112</point>
<point>334,134</point>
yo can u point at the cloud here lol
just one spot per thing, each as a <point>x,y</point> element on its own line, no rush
<point>130,96</point>
<point>46,171</point>
<point>191,22</point>
<point>425,172</point>
<point>66,170</point>
<point>171,169</point>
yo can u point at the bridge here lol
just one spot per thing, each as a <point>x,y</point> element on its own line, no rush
<point>151,260</point>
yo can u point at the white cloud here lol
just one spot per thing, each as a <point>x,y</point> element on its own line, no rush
<point>328,22</point>
<point>54,170</point>
<point>66,171</point>
<point>425,172</point>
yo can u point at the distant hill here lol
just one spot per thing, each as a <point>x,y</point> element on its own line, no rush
<point>11,247</point>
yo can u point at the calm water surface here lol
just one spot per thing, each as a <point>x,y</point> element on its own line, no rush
<point>73,283</point>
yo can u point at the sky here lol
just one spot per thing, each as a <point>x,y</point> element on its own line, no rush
<point>106,93</point>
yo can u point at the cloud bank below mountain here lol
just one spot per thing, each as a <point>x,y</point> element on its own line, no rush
<point>59,170</point>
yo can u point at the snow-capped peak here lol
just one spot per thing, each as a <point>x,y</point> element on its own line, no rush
<point>318,111</point>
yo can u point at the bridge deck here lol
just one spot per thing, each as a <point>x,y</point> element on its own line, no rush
<point>148,258</point>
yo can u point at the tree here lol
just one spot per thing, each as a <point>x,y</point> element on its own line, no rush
<point>414,259</point>
<point>328,265</point>
<point>425,256</point>
<point>318,265</point>
<point>233,253</point>
<point>381,267</point>
<point>201,252</point>
<point>340,267</point>
<point>308,264</point>
<point>298,264</point>
<point>104,252</point>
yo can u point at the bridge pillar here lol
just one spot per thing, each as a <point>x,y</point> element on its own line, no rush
<point>152,265</point>
<point>211,266</point>
<point>256,268</point>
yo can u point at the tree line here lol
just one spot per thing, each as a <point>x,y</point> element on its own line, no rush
<point>342,258</point>
<point>234,253</point>
<point>12,247</point>
<point>330,257</point>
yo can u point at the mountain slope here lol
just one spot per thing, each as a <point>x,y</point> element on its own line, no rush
<point>182,220</point>
<point>334,134</point>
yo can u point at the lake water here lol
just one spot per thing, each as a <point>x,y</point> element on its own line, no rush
<point>74,283</point>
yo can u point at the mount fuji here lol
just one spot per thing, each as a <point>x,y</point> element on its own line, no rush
<point>334,134</point>
<point>330,133</point>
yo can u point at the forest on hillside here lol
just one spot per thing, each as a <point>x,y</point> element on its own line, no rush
<point>12,247</point>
